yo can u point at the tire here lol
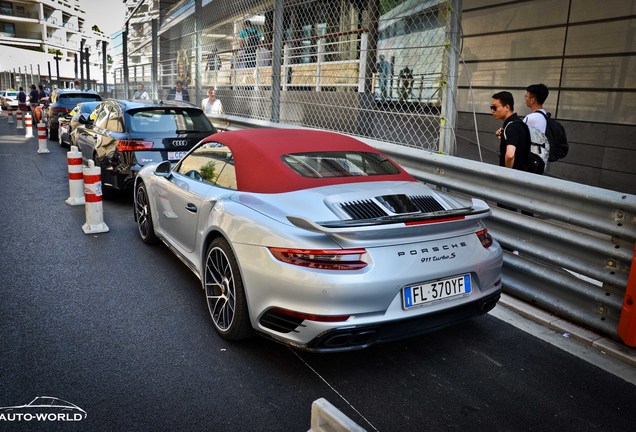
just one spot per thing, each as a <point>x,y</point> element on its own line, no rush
<point>143,215</point>
<point>224,292</point>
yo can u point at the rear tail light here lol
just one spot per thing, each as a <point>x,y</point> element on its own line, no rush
<point>339,259</point>
<point>312,317</point>
<point>56,112</point>
<point>484,238</point>
<point>133,145</point>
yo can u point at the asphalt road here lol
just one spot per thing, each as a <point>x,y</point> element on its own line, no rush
<point>121,330</point>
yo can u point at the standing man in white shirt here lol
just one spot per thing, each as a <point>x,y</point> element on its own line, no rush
<point>141,93</point>
<point>212,105</point>
<point>535,96</point>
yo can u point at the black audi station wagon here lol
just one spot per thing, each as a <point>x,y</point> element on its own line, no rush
<point>121,136</point>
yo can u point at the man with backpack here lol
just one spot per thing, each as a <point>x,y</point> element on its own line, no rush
<point>514,147</point>
<point>535,96</point>
<point>22,100</point>
<point>557,142</point>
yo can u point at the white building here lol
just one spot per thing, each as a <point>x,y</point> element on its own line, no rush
<point>33,31</point>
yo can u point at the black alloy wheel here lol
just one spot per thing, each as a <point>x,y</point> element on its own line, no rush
<point>224,292</point>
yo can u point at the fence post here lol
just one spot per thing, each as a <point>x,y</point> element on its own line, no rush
<point>321,59</point>
<point>285,66</point>
<point>364,44</point>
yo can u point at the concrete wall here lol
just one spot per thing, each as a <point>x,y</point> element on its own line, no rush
<point>584,51</point>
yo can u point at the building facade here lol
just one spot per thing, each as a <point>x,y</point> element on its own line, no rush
<point>49,34</point>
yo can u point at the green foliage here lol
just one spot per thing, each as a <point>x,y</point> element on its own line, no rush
<point>387,5</point>
<point>208,172</point>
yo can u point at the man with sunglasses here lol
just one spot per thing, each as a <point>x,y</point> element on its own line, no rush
<point>514,147</point>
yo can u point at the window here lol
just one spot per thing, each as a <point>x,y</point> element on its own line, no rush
<point>102,117</point>
<point>114,120</point>
<point>339,164</point>
<point>210,163</point>
<point>7,28</point>
<point>169,120</point>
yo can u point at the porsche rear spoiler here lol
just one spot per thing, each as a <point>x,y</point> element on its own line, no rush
<point>478,210</point>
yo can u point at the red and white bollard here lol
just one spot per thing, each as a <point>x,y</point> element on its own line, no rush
<point>10,115</point>
<point>28,121</point>
<point>75,177</point>
<point>93,198</point>
<point>18,120</point>
<point>42,145</point>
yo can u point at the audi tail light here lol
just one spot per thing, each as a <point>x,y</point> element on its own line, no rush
<point>339,259</point>
<point>133,145</point>
<point>56,112</point>
<point>484,238</point>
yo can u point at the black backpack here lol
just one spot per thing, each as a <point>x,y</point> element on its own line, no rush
<point>555,133</point>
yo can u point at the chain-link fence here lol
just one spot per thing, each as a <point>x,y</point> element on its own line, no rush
<point>373,68</point>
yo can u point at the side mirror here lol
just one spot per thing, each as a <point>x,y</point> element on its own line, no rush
<point>164,169</point>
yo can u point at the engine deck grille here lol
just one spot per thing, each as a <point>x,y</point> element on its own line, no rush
<point>426,203</point>
<point>363,209</point>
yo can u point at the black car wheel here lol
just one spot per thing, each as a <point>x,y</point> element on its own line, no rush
<point>224,292</point>
<point>143,215</point>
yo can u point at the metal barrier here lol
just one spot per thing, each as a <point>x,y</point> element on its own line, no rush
<point>571,257</point>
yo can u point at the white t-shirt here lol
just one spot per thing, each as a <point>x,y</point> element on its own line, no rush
<point>212,107</point>
<point>178,95</point>
<point>536,120</point>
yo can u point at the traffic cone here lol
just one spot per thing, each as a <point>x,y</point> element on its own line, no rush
<point>75,177</point>
<point>42,146</point>
<point>10,115</point>
<point>627,322</point>
<point>28,120</point>
<point>18,120</point>
<point>93,198</point>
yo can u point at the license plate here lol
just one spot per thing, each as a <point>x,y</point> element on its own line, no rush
<point>176,155</point>
<point>427,292</point>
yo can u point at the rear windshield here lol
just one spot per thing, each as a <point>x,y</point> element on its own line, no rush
<point>170,120</point>
<point>70,99</point>
<point>339,164</point>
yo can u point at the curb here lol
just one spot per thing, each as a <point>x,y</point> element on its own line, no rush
<point>586,336</point>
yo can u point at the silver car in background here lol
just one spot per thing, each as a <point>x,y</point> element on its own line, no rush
<point>317,240</point>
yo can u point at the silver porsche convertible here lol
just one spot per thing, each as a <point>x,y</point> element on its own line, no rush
<point>317,240</point>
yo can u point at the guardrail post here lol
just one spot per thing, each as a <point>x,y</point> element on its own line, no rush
<point>627,322</point>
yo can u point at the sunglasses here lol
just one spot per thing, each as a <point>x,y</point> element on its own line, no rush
<point>493,107</point>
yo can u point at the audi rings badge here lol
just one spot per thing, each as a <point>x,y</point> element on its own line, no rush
<point>180,143</point>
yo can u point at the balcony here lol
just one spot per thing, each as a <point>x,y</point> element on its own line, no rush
<point>8,12</point>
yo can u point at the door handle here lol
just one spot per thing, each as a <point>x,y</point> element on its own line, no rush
<point>191,208</point>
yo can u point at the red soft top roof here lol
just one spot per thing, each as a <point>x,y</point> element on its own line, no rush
<point>259,168</point>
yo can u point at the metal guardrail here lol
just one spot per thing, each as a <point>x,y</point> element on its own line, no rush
<point>571,257</point>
